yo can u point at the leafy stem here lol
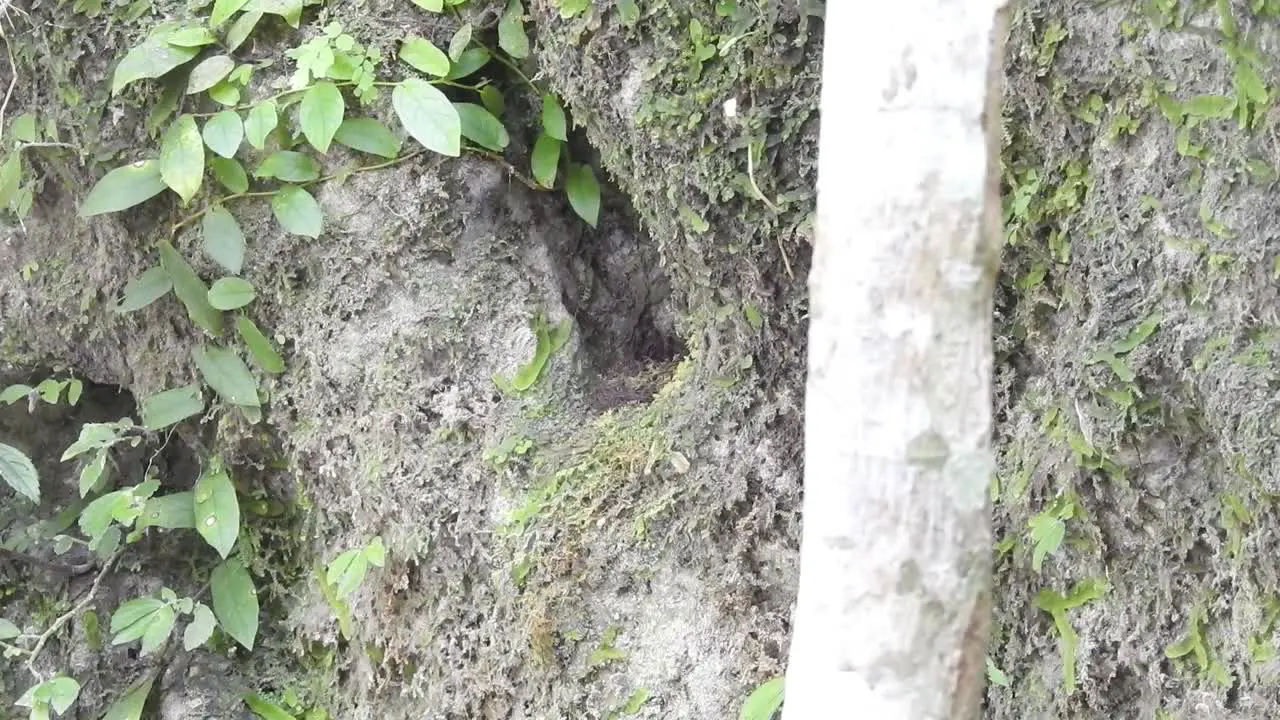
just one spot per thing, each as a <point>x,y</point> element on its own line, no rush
<point>173,231</point>
<point>80,607</point>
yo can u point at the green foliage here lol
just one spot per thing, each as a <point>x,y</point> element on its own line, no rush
<point>428,116</point>
<point>130,705</point>
<point>547,340</point>
<point>56,694</point>
<point>19,473</point>
<point>1057,606</point>
<point>763,702</point>
<point>235,601</point>
<point>124,188</point>
<point>584,193</point>
<point>217,510</point>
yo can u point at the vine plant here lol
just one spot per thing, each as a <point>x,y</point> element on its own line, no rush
<point>211,130</point>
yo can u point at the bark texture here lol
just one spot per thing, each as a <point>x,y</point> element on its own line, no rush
<point>895,567</point>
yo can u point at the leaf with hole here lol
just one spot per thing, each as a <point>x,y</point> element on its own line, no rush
<point>481,127</point>
<point>153,284</point>
<point>459,42</point>
<point>209,72</point>
<point>223,133</point>
<point>222,240</point>
<point>130,705</point>
<point>230,174</point>
<point>223,10</point>
<point>156,56</point>
<point>259,123</point>
<point>764,702</point>
<point>428,116</point>
<point>553,122</point>
<point>175,511</point>
<point>170,407</point>
<point>320,114</point>
<point>190,289</point>
<point>297,211</point>
<point>289,166</point>
<point>545,160</point>
<point>217,510</point>
<point>231,293</point>
<point>124,188</point>
<point>200,629</point>
<point>182,158</point>
<point>471,60</point>
<point>235,601</point>
<point>423,56</point>
<point>370,136</point>
<point>19,473</point>
<point>584,193</point>
<point>511,35</point>
<point>260,349</point>
<point>227,374</point>
<point>92,471</point>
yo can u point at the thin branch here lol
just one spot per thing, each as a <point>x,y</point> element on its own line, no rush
<point>13,80</point>
<point>525,180</point>
<point>79,608</point>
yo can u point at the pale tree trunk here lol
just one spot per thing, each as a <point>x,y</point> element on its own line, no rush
<point>894,599</point>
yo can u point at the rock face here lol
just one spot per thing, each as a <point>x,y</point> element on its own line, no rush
<point>620,540</point>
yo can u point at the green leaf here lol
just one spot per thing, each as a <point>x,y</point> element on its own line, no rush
<point>573,8</point>
<point>131,620</point>
<point>459,42</point>
<point>145,289</point>
<point>545,160</point>
<point>260,348</point>
<point>482,128</point>
<point>430,5</point>
<point>224,132</point>
<point>370,136</point>
<point>1137,336</point>
<point>375,552</point>
<point>511,35</point>
<point>91,473</point>
<point>492,99</point>
<point>158,630</point>
<point>223,10</point>
<point>628,12</point>
<point>320,114</point>
<point>1048,532</point>
<point>297,211</point>
<point>347,571</point>
<point>97,515</point>
<point>584,193</point>
<point>209,72</point>
<point>222,241</point>
<point>8,630</point>
<point>217,511</point>
<point>227,374</point>
<point>191,36</point>
<point>259,123</point>
<point>170,407</point>
<point>428,116</point>
<point>290,10</point>
<point>19,473</point>
<point>235,602</point>
<point>123,188</point>
<point>182,158</point>
<point>190,289</point>
<point>230,173</point>
<point>10,178</point>
<point>14,393</point>
<point>130,705</point>
<point>470,61</point>
<point>175,511</point>
<point>74,389</point>
<point>92,437</point>
<point>200,628</point>
<point>553,122</point>
<point>231,293</point>
<point>995,675</point>
<point>424,57</point>
<point>241,29</point>
<point>763,703</point>
<point>153,58</point>
<point>262,707</point>
<point>289,166</point>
